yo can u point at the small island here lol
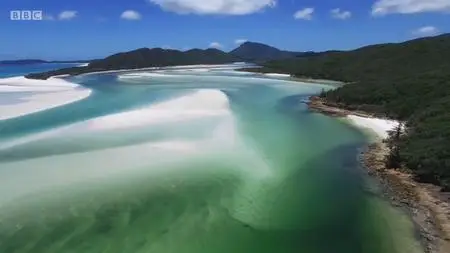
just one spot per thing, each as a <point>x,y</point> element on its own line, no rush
<point>37,61</point>
<point>144,58</point>
<point>251,52</point>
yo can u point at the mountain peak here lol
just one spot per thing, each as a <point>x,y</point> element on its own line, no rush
<point>254,43</point>
<point>257,52</point>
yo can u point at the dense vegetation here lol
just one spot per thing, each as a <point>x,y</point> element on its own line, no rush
<point>144,58</point>
<point>259,53</point>
<point>158,57</point>
<point>409,81</point>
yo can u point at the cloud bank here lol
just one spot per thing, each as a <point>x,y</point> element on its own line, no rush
<point>240,41</point>
<point>215,45</point>
<point>384,7</point>
<point>224,7</point>
<point>426,31</point>
<point>305,14</point>
<point>130,15</point>
<point>340,14</point>
<point>67,15</point>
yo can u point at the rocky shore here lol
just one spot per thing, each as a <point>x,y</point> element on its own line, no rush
<point>427,206</point>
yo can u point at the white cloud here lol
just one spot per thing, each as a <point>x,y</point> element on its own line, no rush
<point>384,7</point>
<point>203,7</point>
<point>215,45</point>
<point>67,15</point>
<point>426,31</point>
<point>240,41</point>
<point>340,14</point>
<point>130,15</point>
<point>305,14</point>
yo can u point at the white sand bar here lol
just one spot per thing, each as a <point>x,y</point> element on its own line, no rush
<point>39,95</point>
<point>380,127</point>
<point>198,105</point>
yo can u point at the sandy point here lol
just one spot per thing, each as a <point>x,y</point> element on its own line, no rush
<point>25,96</point>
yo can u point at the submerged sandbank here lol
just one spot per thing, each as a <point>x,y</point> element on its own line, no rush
<point>37,95</point>
<point>185,108</point>
<point>197,183</point>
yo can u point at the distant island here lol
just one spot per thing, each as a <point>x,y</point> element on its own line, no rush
<point>37,61</point>
<point>145,58</point>
<point>157,57</point>
<point>260,53</point>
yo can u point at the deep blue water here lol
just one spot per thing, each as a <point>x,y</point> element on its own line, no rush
<point>20,70</point>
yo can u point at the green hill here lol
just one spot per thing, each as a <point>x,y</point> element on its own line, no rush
<point>158,57</point>
<point>258,52</point>
<point>408,81</point>
<point>145,58</point>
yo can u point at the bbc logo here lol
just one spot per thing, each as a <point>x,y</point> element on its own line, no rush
<point>26,15</point>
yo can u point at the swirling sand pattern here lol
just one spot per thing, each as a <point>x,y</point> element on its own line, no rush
<point>218,166</point>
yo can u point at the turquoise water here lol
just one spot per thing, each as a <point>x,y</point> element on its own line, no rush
<point>182,161</point>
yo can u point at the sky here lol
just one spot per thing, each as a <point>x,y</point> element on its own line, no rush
<point>86,29</point>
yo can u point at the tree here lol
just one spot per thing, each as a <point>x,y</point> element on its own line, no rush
<point>393,158</point>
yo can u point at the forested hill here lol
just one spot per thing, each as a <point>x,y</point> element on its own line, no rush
<point>145,58</point>
<point>384,78</point>
<point>407,81</point>
<point>158,57</point>
<point>259,53</point>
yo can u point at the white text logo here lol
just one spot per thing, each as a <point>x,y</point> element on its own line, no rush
<point>26,15</point>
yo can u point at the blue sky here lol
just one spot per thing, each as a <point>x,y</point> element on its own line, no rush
<point>80,29</point>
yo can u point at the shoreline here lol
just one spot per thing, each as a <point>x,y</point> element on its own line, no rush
<point>254,70</point>
<point>428,208</point>
<point>155,69</point>
<point>83,69</point>
<point>318,81</point>
<point>32,96</point>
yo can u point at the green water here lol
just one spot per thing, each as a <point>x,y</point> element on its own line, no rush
<point>255,172</point>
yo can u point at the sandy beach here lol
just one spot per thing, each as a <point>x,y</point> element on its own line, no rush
<point>428,207</point>
<point>380,127</point>
<point>193,68</point>
<point>30,96</point>
<point>276,75</point>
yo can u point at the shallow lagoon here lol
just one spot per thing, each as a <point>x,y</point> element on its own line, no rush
<point>182,162</point>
